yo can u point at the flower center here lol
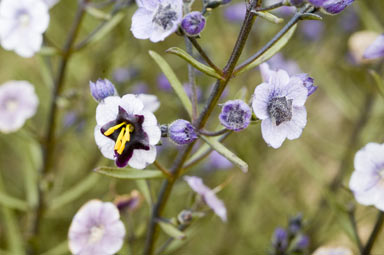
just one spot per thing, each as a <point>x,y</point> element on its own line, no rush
<point>124,135</point>
<point>96,234</point>
<point>11,105</point>
<point>24,19</point>
<point>280,109</point>
<point>236,117</point>
<point>165,17</point>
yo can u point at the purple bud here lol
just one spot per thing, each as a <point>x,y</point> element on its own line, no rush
<point>295,225</point>
<point>193,23</point>
<point>376,49</point>
<point>336,6</point>
<point>280,239</point>
<point>128,202</point>
<point>102,89</point>
<point>235,115</point>
<point>181,132</point>
<point>297,3</point>
<point>307,82</point>
<point>302,243</point>
<point>317,3</point>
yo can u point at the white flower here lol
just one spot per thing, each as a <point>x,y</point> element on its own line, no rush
<point>51,3</point>
<point>279,103</point>
<point>126,132</point>
<point>18,102</point>
<point>367,181</point>
<point>151,102</point>
<point>96,229</point>
<point>156,19</point>
<point>208,196</point>
<point>22,24</point>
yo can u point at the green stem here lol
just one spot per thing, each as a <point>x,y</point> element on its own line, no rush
<point>375,234</point>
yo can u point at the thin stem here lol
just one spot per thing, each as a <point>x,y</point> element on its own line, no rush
<point>202,53</point>
<point>275,39</point>
<point>167,185</point>
<point>49,142</point>
<point>213,133</point>
<point>192,79</point>
<point>374,234</point>
<point>352,218</point>
<point>163,169</point>
<point>271,7</point>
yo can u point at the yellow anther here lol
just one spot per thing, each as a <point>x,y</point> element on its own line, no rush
<point>113,129</point>
<point>130,128</point>
<point>118,141</point>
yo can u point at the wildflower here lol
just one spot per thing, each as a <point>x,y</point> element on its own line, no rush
<point>102,89</point>
<point>126,132</point>
<point>155,20</point>
<point>367,181</point>
<point>208,196</point>
<point>302,243</point>
<point>22,24</point>
<point>280,240</point>
<point>332,6</point>
<point>18,102</point>
<point>279,103</point>
<point>235,115</point>
<point>312,30</point>
<point>376,49</point>
<point>193,23</point>
<point>217,161</point>
<point>235,12</point>
<point>51,3</point>
<point>358,44</point>
<point>151,102</point>
<point>96,229</point>
<point>182,132</point>
<point>163,83</point>
<point>128,202</point>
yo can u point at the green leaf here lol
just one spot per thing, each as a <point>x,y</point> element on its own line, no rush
<point>198,65</point>
<point>271,51</point>
<point>144,189</point>
<point>175,83</point>
<point>310,16</point>
<point>129,173</point>
<point>61,248</point>
<point>48,51</point>
<point>269,17</point>
<point>97,13</point>
<point>171,230</point>
<point>75,192</point>
<point>12,203</point>
<point>225,152</point>
<point>379,82</point>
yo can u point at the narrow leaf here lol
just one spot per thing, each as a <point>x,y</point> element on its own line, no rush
<point>171,230</point>
<point>379,82</point>
<point>310,16</point>
<point>271,51</point>
<point>269,17</point>
<point>225,152</point>
<point>144,189</point>
<point>198,65</point>
<point>12,203</point>
<point>129,173</point>
<point>175,83</point>
<point>48,51</point>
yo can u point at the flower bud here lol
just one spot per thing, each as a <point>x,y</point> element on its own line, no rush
<point>235,115</point>
<point>182,132</point>
<point>295,224</point>
<point>280,240</point>
<point>307,82</point>
<point>185,217</point>
<point>102,89</point>
<point>302,243</point>
<point>332,6</point>
<point>376,49</point>
<point>193,23</point>
<point>128,202</point>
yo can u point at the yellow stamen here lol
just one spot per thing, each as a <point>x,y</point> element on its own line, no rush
<point>118,141</point>
<point>113,129</point>
<point>125,139</point>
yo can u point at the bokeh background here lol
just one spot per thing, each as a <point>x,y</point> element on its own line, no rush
<point>344,114</point>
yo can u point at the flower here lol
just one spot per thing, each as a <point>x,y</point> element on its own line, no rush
<point>96,229</point>
<point>333,250</point>
<point>151,102</point>
<point>126,132</point>
<point>358,44</point>
<point>332,6</point>
<point>102,89</point>
<point>163,83</point>
<point>193,23</point>
<point>376,49</point>
<point>128,202</point>
<point>367,181</point>
<point>235,115</point>
<point>235,12</point>
<point>280,240</point>
<point>208,196</point>
<point>217,161</point>
<point>51,3</point>
<point>156,19</point>
<point>279,103</point>
<point>182,132</point>
<point>22,24</point>
<point>18,102</point>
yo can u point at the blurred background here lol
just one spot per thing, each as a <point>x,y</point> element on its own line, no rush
<point>309,175</point>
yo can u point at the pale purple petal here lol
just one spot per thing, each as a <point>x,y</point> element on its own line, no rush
<point>295,126</point>
<point>273,135</point>
<point>197,184</point>
<point>297,91</point>
<point>265,72</point>
<point>376,49</point>
<point>216,205</point>
<point>142,23</point>
<point>261,99</point>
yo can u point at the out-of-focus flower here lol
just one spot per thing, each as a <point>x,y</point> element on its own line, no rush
<point>128,202</point>
<point>279,103</point>
<point>235,12</point>
<point>139,88</point>
<point>359,42</point>
<point>155,20</point>
<point>235,115</point>
<point>125,132</point>
<point>193,23</point>
<point>151,102</point>
<point>279,62</point>
<point>367,181</point>
<point>96,229</point>
<point>312,30</point>
<point>23,23</point>
<point>124,74</point>
<point>188,89</point>
<point>349,20</point>
<point>208,196</point>
<point>182,132</point>
<point>332,6</point>
<point>163,83</point>
<point>376,49</point>
<point>280,240</point>
<point>302,243</point>
<point>102,89</point>
<point>217,161</point>
<point>18,102</point>
<point>333,250</point>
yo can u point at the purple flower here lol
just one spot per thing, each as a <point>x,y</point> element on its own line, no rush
<point>156,19</point>
<point>18,102</point>
<point>124,74</point>
<point>182,132</point>
<point>96,229</point>
<point>332,6</point>
<point>312,29</point>
<point>302,243</point>
<point>128,202</point>
<point>163,83</point>
<point>126,132</point>
<point>208,196</point>
<point>139,88</point>
<point>367,181</point>
<point>235,12</point>
<point>193,23</point>
<point>102,89</point>
<point>280,239</point>
<point>279,103</point>
<point>217,161</point>
<point>235,115</point>
<point>376,49</point>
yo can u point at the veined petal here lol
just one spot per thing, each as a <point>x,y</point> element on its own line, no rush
<point>150,127</point>
<point>142,26</point>
<point>131,104</point>
<point>296,91</point>
<point>141,158</point>
<point>297,123</point>
<point>107,111</point>
<point>150,5</point>
<point>260,101</point>
<point>113,237</point>
<point>265,71</point>
<point>363,158</point>
<point>273,135</point>
<point>105,144</point>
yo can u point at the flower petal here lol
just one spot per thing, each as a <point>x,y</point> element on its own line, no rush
<point>141,26</point>
<point>150,128</point>
<point>216,205</point>
<point>296,91</point>
<point>261,99</point>
<point>107,111</point>
<point>297,123</point>
<point>273,135</point>
<point>113,238</point>
<point>105,144</point>
<point>197,184</point>
<point>131,104</point>
<point>141,158</point>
